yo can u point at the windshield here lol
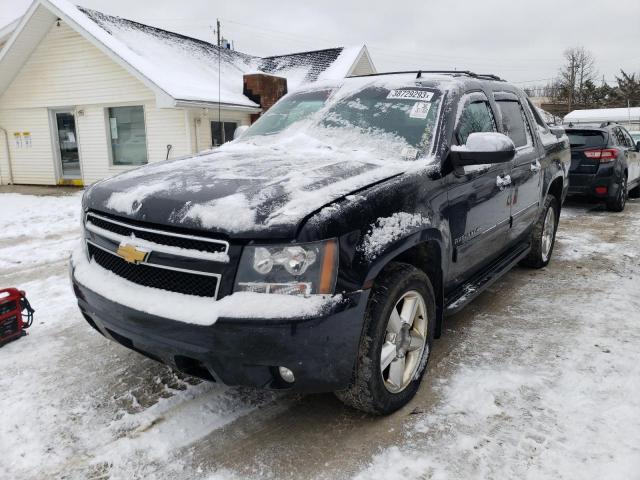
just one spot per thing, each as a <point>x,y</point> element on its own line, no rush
<point>403,119</point>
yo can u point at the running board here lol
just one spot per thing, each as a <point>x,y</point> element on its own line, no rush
<point>460,297</point>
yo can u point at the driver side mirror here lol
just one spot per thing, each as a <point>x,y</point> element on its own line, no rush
<point>483,148</point>
<point>557,131</point>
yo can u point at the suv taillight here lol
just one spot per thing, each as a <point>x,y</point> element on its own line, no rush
<point>605,155</point>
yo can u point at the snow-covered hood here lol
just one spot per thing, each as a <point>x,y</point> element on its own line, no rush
<point>242,190</point>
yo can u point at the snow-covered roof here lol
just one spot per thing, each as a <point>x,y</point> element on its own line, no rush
<point>604,115</point>
<point>305,67</point>
<point>180,69</point>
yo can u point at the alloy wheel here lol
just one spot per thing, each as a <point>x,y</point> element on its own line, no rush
<point>405,342</point>
<point>548,230</point>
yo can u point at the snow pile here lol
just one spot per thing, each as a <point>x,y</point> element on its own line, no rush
<point>485,142</point>
<point>193,309</point>
<point>389,229</point>
<point>38,217</point>
<point>37,230</point>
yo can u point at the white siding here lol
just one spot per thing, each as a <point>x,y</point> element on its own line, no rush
<point>31,165</point>
<point>363,66</point>
<point>65,70</point>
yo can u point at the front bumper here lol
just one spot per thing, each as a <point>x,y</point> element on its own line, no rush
<point>320,351</point>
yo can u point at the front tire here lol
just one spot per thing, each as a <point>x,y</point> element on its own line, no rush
<point>396,341</point>
<point>543,237</point>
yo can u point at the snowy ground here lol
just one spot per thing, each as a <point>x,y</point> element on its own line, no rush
<point>538,378</point>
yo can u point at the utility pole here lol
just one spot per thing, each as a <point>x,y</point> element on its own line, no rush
<point>219,74</point>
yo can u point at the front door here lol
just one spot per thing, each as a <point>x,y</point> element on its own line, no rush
<point>478,210</point>
<point>67,145</point>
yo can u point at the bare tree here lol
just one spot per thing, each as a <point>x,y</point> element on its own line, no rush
<point>576,74</point>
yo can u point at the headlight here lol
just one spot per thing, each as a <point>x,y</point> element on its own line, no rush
<point>297,269</point>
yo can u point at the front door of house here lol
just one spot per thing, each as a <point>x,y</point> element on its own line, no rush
<point>67,145</point>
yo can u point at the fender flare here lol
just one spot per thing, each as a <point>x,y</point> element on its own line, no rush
<point>395,249</point>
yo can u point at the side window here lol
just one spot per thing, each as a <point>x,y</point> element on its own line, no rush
<point>628,139</point>
<point>476,117</point>
<point>514,122</point>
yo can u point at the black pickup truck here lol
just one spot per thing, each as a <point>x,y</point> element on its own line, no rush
<point>323,249</point>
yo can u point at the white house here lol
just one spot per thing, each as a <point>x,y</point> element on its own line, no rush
<point>84,95</point>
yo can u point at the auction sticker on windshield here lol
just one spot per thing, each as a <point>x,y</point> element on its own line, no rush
<point>420,110</point>
<point>410,94</point>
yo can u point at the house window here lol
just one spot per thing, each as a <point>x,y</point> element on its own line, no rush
<point>222,132</point>
<point>128,135</point>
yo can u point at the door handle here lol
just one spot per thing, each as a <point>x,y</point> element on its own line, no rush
<point>503,181</point>
<point>535,166</point>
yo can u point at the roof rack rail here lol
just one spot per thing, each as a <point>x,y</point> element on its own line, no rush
<point>466,73</point>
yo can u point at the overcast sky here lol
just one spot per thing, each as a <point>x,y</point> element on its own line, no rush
<point>520,41</point>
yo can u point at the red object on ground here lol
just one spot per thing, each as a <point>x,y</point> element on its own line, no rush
<point>12,321</point>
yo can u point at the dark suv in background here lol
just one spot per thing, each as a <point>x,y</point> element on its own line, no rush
<point>605,164</point>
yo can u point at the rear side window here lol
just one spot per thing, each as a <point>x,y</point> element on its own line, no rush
<point>586,138</point>
<point>476,117</point>
<point>540,123</point>
<point>514,123</point>
<point>627,138</point>
<point>619,137</point>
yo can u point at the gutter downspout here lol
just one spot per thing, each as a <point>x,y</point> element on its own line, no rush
<point>8,151</point>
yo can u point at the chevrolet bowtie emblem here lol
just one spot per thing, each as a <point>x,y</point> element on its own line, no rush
<point>131,253</point>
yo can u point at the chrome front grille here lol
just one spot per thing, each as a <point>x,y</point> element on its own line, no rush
<point>174,262</point>
<point>159,237</point>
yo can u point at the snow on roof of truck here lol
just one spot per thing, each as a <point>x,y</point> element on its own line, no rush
<point>177,67</point>
<point>603,115</point>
